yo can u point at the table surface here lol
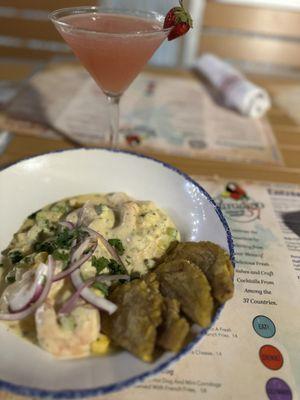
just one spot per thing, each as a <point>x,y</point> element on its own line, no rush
<point>286,131</point>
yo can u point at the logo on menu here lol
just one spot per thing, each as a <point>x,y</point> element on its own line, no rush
<point>237,205</point>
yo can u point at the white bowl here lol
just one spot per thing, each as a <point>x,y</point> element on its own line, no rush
<point>31,184</point>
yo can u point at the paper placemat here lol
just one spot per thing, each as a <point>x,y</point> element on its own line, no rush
<point>253,350</point>
<point>167,114</point>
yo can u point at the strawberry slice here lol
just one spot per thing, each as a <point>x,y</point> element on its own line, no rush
<point>180,19</point>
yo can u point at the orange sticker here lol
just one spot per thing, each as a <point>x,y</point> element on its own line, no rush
<point>271,357</point>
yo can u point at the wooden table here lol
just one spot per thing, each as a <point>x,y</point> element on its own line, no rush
<point>286,131</point>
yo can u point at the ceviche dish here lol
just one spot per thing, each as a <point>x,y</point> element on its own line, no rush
<point>95,274</point>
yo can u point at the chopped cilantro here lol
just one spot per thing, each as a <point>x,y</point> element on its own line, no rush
<point>48,246</point>
<point>63,239</point>
<point>118,245</point>
<point>15,256</point>
<point>61,256</point>
<point>112,265</point>
<point>10,279</point>
<point>99,208</point>
<point>102,287</point>
<point>115,268</point>
<point>100,263</point>
<point>62,207</point>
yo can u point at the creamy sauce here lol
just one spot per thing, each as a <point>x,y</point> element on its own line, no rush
<point>144,230</point>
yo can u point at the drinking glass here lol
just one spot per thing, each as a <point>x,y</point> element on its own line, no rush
<point>113,45</point>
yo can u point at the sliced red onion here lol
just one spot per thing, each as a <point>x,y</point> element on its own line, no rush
<point>67,224</point>
<point>30,291</point>
<point>74,265</point>
<point>78,253</point>
<point>89,296</point>
<point>105,243</point>
<point>70,304</point>
<point>34,306</point>
<point>80,213</point>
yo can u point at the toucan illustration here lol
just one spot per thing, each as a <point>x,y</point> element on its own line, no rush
<point>234,191</point>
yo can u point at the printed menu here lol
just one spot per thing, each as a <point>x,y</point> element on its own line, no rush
<point>253,349</point>
<point>168,114</point>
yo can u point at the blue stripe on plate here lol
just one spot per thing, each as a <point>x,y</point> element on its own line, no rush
<point>101,390</point>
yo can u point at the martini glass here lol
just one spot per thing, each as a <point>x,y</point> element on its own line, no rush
<point>113,45</point>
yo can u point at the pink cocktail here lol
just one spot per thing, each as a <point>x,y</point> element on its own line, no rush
<point>113,45</point>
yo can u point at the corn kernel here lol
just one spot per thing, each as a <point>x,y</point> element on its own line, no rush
<point>101,345</point>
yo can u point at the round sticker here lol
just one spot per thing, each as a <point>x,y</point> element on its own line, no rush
<point>277,389</point>
<point>264,326</point>
<point>271,357</point>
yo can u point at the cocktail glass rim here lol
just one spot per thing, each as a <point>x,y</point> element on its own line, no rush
<point>56,15</point>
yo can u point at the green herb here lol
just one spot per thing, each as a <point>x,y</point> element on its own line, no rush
<point>102,287</point>
<point>99,208</point>
<point>112,265</point>
<point>15,256</point>
<point>63,207</point>
<point>48,246</point>
<point>63,239</point>
<point>100,263</point>
<point>10,279</point>
<point>115,268</point>
<point>1,265</point>
<point>127,260</point>
<point>61,256</point>
<point>118,245</point>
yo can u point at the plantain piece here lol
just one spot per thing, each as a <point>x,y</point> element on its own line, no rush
<point>185,282</point>
<point>174,329</point>
<point>134,325</point>
<point>213,261</point>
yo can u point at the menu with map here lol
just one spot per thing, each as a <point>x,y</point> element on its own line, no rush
<point>253,349</point>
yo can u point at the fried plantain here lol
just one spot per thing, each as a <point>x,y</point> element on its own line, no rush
<point>174,329</point>
<point>185,282</point>
<point>212,260</point>
<point>134,325</point>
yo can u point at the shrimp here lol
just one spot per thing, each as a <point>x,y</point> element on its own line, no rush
<point>67,340</point>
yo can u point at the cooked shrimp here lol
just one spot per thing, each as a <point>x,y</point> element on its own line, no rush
<point>72,336</point>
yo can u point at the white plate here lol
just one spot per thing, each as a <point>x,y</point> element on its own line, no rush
<point>31,184</point>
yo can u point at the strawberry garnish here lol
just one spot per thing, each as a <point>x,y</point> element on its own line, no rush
<point>180,19</point>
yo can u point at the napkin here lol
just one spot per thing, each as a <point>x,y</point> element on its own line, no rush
<point>237,92</point>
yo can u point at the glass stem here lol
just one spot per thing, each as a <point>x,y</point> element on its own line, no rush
<point>113,104</point>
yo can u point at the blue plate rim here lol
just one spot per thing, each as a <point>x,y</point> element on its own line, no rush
<point>102,390</point>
